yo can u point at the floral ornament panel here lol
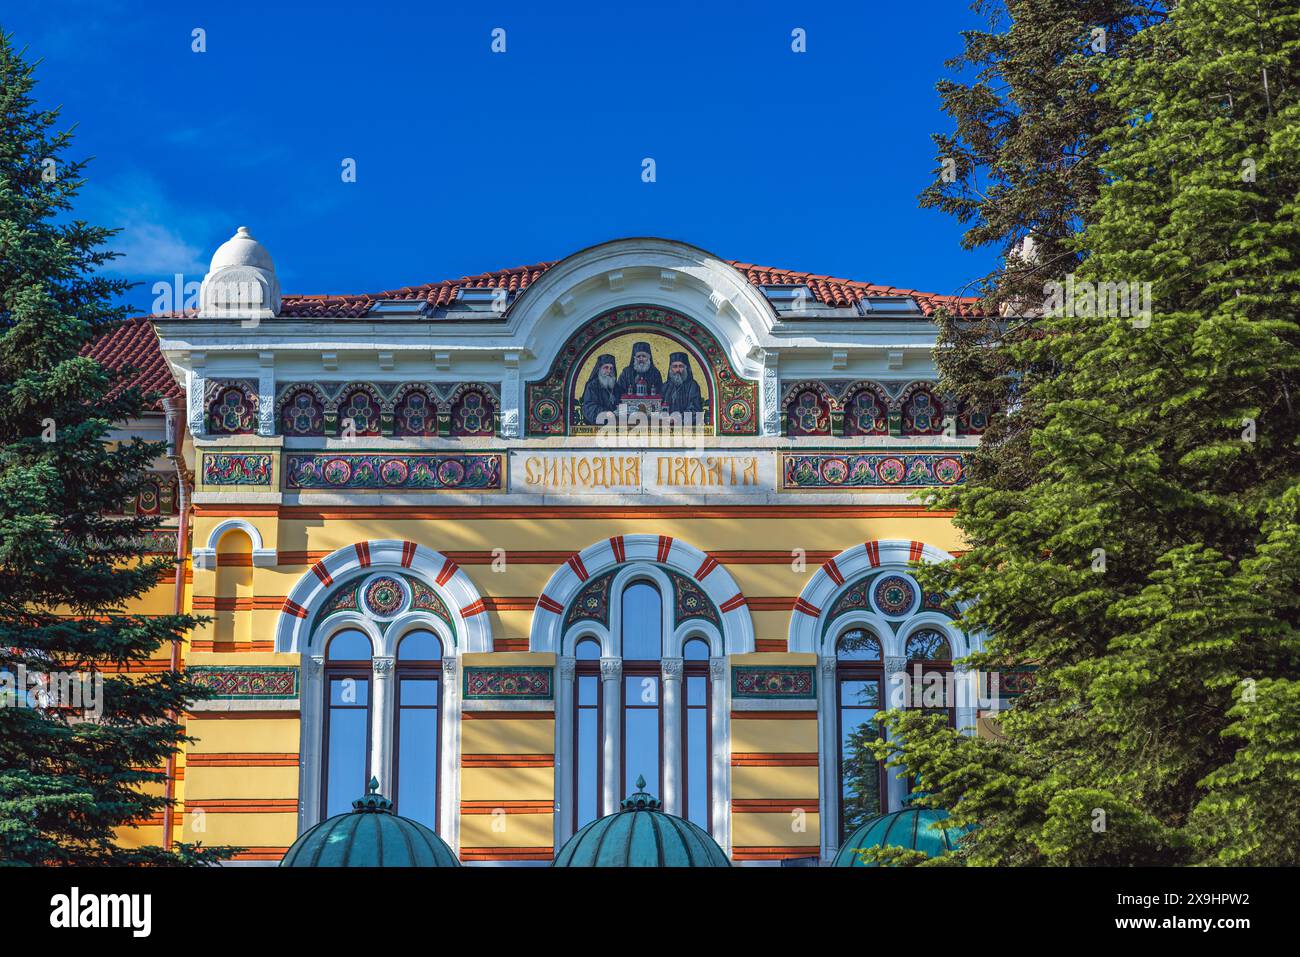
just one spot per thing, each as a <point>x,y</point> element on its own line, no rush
<point>233,410</point>
<point>431,471</point>
<point>866,413</point>
<point>690,602</point>
<point>345,599</point>
<point>416,414</point>
<point>773,682</point>
<point>516,683</point>
<point>857,597</point>
<point>808,414</point>
<point>236,468</point>
<point>303,413</point>
<point>845,470</point>
<point>362,408</point>
<point>424,598</point>
<point>591,603</point>
<point>474,413</point>
<point>247,683</point>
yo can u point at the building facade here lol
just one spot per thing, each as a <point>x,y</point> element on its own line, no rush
<point>508,542</point>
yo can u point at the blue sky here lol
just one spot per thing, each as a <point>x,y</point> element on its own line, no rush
<point>468,160</point>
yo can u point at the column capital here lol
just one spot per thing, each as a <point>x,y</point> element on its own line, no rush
<point>611,669</point>
<point>671,669</point>
<point>450,668</point>
<point>828,666</point>
<point>718,669</point>
<point>382,666</point>
<point>567,668</point>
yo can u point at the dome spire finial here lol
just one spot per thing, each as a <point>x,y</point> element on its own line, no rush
<point>640,800</point>
<point>373,802</point>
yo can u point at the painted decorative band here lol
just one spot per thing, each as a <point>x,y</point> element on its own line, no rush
<point>248,683</point>
<point>237,468</point>
<point>428,471</point>
<point>514,683</point>
<point>836,470</point>
<point>759,681</point>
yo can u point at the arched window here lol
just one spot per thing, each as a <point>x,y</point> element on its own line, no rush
<point>929,665</point>
<point>416,732</point>
<point>642,645</point>
<point>697,783</point>
<point>860,691</point>
<point>346,767</point>
<point>587,751</point>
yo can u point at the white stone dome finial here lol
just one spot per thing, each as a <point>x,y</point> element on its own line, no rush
<point>241,281</point>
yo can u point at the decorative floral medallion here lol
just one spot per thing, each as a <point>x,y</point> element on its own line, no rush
<point>948,470</point>
<point>451,472</point>
<point>385,596</point>
<point>834,471</point>
<point>891,470</point>
<point>336,471</point>
<point>393,472</point>
<point>894,596</point>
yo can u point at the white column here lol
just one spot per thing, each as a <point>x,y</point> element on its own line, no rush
<point>720,736</point>
<point>566,668</point>
<point>310,704</point>
<point>896,696</point>
<point>611,688</point>
<point>196,398</point>
<point>511,398</point>
<point>965,686</point>
<point>449,751</point>
<point>671,670</point>
<point>828,750</point>
<point>266,394</point>
<point>381,723</point>
<point>770,397</point>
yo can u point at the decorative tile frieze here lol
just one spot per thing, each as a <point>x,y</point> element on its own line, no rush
<point>428,471</point>
<point>247,682</point>
<point>237,468</point>
<point>864,470</point>
<point>505,682</point>
<point>762,681</point>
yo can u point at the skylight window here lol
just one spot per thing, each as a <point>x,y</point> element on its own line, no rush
<point>890,305</point>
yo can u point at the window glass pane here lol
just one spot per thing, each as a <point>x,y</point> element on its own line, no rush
<point>587,765</point>
<point>587,687</point>
<point>349,645</point>
<point>349,690</point>
<point>696,650</point>
<point>419,692</point>
<point>347,750</point>
<point>695,760</point>
<point>928,644</point>
<point>587,650</point>
<point>641,691</point>
<point>642,628</point>
<point>420,646</point>
<point>640,747</point>
<point>859,769</point>
<point>417,758</point>
<point>858,645</point>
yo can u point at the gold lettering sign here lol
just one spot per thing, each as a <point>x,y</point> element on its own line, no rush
<point>582,472</point>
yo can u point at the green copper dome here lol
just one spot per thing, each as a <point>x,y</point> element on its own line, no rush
<point>909,828</point>
<point>641,835</point>
<point>370,835</point>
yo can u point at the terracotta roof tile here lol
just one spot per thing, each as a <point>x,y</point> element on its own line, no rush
<point>134,343</point>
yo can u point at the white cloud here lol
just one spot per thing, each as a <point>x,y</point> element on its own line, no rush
<point>157,238</point>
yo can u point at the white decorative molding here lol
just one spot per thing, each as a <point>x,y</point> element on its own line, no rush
<point>547,630</point>
<point>615,277</point>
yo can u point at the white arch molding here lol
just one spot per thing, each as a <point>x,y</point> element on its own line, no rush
<point>206,558</point>
<point>641,557</point>
<point>809,633</point>
<point>472,633</point>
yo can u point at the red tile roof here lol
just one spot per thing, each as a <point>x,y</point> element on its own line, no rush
<point>134,343</point>
<point>825,289</point>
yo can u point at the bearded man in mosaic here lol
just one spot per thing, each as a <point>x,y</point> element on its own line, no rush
<point>600,394</point>
<point>682,392</point>
<point>641,377</point>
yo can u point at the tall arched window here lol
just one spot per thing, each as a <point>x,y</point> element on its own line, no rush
<point>587,733</point>
<point>697,749</point>
<point>416,732</point>
<point>642,645</point>
<point>346,767</point>
<point>929,665</point>
<point>860,690</point>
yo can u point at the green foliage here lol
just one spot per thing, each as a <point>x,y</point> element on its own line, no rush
<point>70,778</point>
<point>1162,729</point>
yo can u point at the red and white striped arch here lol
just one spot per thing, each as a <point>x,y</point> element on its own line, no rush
<point>845,568</point>
<point>468,610</point>
<point>548,616</point>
